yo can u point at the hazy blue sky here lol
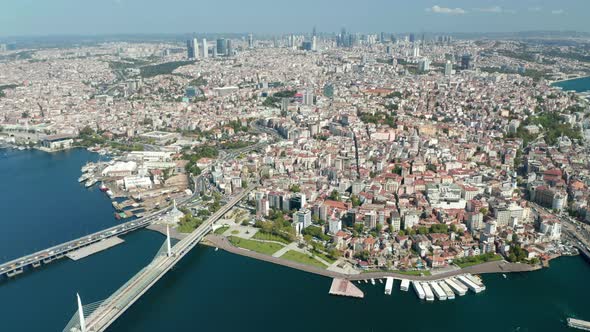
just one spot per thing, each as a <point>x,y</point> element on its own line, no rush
<point>44,17</point>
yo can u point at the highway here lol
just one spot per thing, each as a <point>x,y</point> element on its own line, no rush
<point>114,306</point>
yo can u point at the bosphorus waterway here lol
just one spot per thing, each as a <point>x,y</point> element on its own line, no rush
<point>43,204</point>
<point>579,84</point>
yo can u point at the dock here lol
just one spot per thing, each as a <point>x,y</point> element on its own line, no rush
<point>343,287</point>
<point>94,248</point>
<point>578,324</point>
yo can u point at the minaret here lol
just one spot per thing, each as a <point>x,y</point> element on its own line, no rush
<point>81,314</point>
<point>168,238</point>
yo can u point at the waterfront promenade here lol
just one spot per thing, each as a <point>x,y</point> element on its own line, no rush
<point>489,267</point>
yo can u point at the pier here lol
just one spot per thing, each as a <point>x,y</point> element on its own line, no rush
<point>27,263</point>
<point>343,287</point>
<point>94,248</point>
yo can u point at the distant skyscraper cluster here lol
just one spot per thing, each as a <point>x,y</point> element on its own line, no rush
<point>221,47</point>
<point>192,48</point>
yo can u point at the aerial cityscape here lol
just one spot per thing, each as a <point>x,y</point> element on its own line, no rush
<point>313,175</point>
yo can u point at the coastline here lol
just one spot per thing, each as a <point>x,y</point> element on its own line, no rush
<point>569,79</point>
<point>489,267</point>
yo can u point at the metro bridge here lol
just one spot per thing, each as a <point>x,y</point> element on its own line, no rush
<point>98,316</point>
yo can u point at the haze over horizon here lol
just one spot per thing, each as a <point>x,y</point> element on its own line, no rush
<point>69,17</point>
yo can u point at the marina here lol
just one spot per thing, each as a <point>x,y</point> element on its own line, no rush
<point>442,289</point>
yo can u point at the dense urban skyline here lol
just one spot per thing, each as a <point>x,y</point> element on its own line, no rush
<point>69,17</point>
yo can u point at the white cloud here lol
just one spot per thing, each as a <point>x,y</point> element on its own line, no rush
<point>445,10</point>
<point>557,11</point>
<point>495,9</point>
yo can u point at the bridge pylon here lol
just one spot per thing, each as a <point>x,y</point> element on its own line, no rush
<point>168,245</point>
<point>81,314</point>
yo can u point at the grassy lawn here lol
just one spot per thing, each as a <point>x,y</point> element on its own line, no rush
<point>221,230</point>
<point>476,260</point>
<point>413,273</point>
<point>260,247</point>
<point>269,237</point>
<point>302,258</point>
<point>235,231</point>
<point>324,257</point>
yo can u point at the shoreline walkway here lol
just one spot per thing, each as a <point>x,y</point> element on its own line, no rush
<point>489,267</point>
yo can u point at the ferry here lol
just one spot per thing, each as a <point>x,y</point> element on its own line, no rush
<point>456,286</point>
<point>578,324</point>
<point>88,167</point>
<point>438,291</point>
<point>84,177</point>
<point>470,284</point>
<point>388,285</point>
<point>404,285</point>
<point>476,280</point>
<point>447,290</point>
<point>91,182</point>
<point>419,290</point>
<point>428,291</point>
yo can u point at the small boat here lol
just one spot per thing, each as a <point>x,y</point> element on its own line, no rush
<point>84,177</point>
<point>216,248</point>
<point>102,187</point>
<point>372,281</point>
<point>366,282</point>
<point>91,182</point>
<point>503,275</point>
<point>381,281</point>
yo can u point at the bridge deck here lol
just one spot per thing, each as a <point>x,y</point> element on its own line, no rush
<point>114,306</point>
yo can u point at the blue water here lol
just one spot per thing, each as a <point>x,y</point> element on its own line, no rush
<point>217,291</point>
<point>42,203</point>
<point>578,85</point>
